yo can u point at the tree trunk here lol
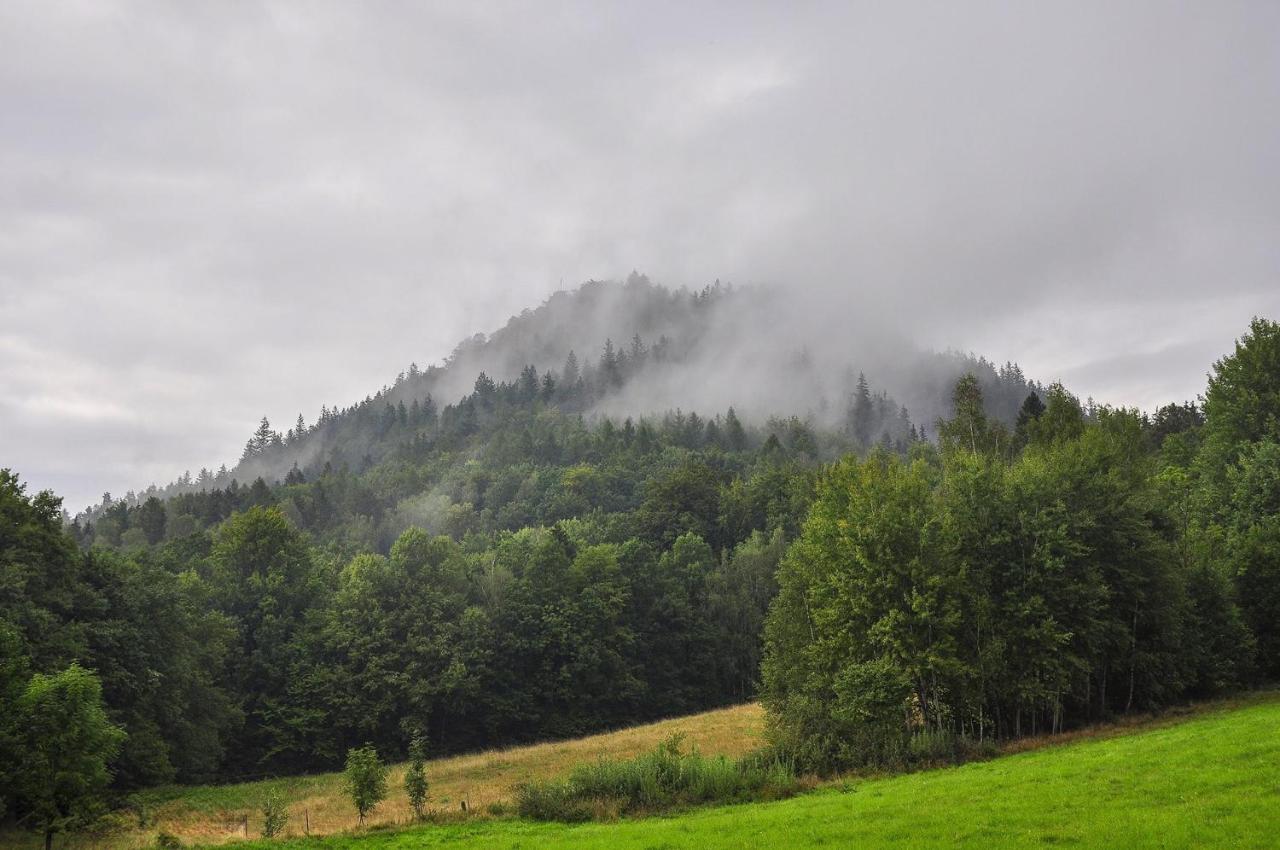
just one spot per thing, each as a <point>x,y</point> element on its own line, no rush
<point>48,839</point>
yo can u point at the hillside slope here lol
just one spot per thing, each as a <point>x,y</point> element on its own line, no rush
<point>1210,781</point>
<point>216,813</point>
<point>629,350</point>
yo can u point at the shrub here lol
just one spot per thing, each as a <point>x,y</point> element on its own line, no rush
<point>550,801</point>
<point>666,778</point>
<point>274,816</point>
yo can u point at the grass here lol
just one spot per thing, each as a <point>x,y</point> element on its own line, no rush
<point>213,814</point>
<point>669,777</point>
<point>1207,779</point>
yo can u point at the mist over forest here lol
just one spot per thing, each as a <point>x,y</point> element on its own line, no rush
<point>937,418</point>
<point>634,349</point>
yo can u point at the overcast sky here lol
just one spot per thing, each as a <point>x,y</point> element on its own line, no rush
<point>212,211</point>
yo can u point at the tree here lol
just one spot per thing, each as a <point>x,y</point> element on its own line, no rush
<point>151,519</point>
<point>1255,540</point>
<point>66,744</point>
<point>860,413</point>
<point>415,778</point>
<point>570,374</point>
<point>861,636</point>
<point>968,429</point>
<point>261,576</point>
<point>685,499</point>
<point>263,439</point>
<point>364,779</point>
<point>1031,410</point>
<point>1242,404</point>
<point>735,435</point>
<point>1062,419</point>
<point>275,815</point>
<point>14,675</point>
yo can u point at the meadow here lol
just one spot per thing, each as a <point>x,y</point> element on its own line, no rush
<point>1207,779</point>
<point>215,814</point>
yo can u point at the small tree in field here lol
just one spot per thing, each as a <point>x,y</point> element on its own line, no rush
<point>365,779</point>
<point>275,815</point>
<point>415,778</point>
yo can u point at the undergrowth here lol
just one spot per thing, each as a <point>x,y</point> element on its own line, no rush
<point>667,778</point>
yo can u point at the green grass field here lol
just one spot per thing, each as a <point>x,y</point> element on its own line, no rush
<point>1212,780</point>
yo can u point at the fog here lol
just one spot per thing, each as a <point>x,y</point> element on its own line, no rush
<point>211,213</point>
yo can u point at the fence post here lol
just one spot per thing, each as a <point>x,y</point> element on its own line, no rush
<point>306,814</point>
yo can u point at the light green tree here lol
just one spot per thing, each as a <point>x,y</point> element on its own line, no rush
<point>415,778</point>
<point>365,779</point>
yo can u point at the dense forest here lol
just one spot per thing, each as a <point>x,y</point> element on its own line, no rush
<point>1009,583</point>
<point>524,563</point>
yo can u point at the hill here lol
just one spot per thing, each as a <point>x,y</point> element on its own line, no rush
<point>216,813</point>
<point>1208,781</point>
<point>630,350</point>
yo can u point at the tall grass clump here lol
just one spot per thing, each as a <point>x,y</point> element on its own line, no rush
<point>668,777</point>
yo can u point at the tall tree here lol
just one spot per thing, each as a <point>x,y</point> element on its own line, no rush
<point>67,742</point>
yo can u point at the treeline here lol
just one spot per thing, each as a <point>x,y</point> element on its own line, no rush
<point>624,581</point>
<point>1014,582</point>
<point>506,456</point>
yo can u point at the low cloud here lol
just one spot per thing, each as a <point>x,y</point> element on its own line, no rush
<point>208,213</point>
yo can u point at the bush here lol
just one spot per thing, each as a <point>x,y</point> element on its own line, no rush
<point>666,778</point>
<point>274,816</point>
<point>550,801</point>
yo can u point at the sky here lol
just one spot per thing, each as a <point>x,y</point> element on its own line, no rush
<point>211,212</point>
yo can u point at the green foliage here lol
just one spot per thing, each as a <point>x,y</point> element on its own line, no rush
<point>61,776</point>
<point>502,568</point>
<point>365,779</point>
<point>932,605</point>
<point>275,815</point>
<point>1129,791</point>
<point>415,778</point>
<point>669,777</point>
<point>1242,403</point>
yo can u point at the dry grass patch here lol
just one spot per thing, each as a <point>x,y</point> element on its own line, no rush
<point>215,814</point>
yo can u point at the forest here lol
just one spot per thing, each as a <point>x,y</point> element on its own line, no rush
<point>517,565</point>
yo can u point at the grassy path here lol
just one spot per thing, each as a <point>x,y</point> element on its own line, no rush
<point>1209,781</point>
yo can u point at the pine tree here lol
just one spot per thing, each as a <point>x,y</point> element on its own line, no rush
<point>860,414</point>
<point>734,434</point>
<point>570,374</point>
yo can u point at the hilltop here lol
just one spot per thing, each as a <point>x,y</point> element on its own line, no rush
<point>632,351</point>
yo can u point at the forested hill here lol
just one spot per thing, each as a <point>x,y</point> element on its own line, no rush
<point>504,568</point>
<point>673,362</point>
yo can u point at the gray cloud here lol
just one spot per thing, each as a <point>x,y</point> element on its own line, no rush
<point>212,211</point>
